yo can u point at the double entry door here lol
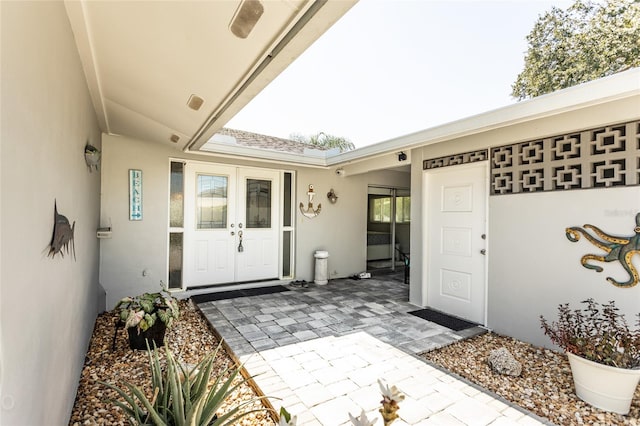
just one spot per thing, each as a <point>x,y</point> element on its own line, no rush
<point>231,224</point>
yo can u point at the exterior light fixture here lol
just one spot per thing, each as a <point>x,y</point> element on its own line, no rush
<point>331,195</point>
<point>174,138</point>
<point>402,156</point>
<point>246,17</point>
<point>195,102</point>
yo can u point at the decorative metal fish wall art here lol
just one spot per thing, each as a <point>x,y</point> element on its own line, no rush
<point>62,239</point>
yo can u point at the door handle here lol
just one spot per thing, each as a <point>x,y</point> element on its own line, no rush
<point>240,247</point>
<point>483,252</point>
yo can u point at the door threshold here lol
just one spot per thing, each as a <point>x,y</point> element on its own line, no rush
<point>215,288</point>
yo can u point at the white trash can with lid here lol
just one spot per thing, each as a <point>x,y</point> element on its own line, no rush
<point>322,260</point>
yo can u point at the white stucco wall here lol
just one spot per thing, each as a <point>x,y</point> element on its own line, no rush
<point>47,306</point>
<point>532,267</point>
<point>142,245</point>
<point>341,228</point>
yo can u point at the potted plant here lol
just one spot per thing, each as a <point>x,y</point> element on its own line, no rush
<point>603,352</point>
<point>147,316</point>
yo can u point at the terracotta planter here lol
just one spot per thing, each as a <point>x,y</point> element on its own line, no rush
<point>604,387</point>
<point>155,333</point>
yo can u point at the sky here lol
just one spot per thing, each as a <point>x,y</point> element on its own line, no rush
<point>388,68</point>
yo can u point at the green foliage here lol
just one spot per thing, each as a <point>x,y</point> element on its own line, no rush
<point>585,42</point>
<point>144,310</point>
<point>323,140</point>
<point>182,395</point>
<point>602,336</point>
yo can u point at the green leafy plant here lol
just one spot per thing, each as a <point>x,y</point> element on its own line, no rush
<point>143,311</point>
<point>183,395</point>
<point>597,333</point>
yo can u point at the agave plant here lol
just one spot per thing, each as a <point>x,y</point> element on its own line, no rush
<point>183,395</point>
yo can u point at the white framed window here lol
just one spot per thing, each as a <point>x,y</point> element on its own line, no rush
<point>380,209</point>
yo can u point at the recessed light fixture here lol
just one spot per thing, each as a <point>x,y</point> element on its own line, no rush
<point>195,102</point>
<point>246,17</point>
<point>174,138</point>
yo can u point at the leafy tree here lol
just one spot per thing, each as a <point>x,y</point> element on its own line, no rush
<point>323,140</point>
<point>585,42</point>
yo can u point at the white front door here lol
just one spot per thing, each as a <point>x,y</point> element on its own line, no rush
<point>456,240</point>
<point>258,216</point>
<point>231,224</point>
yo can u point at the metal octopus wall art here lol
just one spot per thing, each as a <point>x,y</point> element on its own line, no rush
<point>62,238</point>
<point>620,249</point>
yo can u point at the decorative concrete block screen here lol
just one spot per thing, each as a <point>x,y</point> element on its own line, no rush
<point>453,160</point>
<point>598,158</point>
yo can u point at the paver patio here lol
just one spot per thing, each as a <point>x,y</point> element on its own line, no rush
<point>319,351</point>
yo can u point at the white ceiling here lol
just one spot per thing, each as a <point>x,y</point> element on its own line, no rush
<point>144,59</point>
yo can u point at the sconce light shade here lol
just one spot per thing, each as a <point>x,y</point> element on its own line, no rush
<point>402,156</point>
<point>92,156</point>
<point>331,195</point>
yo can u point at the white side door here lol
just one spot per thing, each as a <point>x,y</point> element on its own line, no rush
<point>456,240</point>
<point>258,224</point>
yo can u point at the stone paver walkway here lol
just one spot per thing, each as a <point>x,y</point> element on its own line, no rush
<point>319,352</point>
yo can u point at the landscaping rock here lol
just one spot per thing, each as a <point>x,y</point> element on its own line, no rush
<point>501,361</point>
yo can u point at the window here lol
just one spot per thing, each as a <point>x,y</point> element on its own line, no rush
<point>403,209</point>
<point>176,223</point>
<point>380,209</point>
<point>211,202</point>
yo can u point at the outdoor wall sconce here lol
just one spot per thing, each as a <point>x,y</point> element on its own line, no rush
<point>331,195</point>
<point>310,212</point>
<point>91,156</point>
<point>402,156</point>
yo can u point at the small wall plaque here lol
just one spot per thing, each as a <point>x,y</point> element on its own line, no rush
<point>135,194</point>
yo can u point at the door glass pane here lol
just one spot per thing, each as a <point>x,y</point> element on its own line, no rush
<point>286,204</point>
<point>258,203</point>
<point>212,202</point>
<point>176,208</point>
<point>286,254</point>
<point>175,260</point>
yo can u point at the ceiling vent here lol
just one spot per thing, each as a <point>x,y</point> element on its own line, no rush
<point>246,17</point>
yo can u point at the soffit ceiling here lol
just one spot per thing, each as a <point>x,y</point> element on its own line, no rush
<point>144,59</point>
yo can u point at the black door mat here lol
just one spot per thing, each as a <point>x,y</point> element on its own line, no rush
<point>232,294</point>
<point>453,323</point>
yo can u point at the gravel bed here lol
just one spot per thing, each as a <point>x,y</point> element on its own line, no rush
<point>545,386</point>
<point>189,339</point>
